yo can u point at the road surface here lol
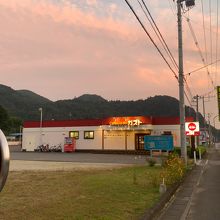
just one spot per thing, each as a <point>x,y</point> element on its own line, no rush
<point>205,203</point>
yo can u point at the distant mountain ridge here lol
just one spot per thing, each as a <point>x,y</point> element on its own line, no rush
<point>25,104</point>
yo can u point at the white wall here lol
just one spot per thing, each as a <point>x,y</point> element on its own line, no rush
<point>55,136</point>
<point>113,139</point>
<point>130,140</point>
<point>89,144</point>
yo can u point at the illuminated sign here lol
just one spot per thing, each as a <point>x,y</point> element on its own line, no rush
<point>129,121</point>
<point>135,122</point>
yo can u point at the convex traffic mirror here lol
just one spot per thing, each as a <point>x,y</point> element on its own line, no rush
<point>4,160</point>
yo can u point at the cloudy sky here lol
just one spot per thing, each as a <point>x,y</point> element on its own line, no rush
<point>61,49</point>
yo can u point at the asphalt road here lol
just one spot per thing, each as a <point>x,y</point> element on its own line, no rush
<point>205,203</point>
<point>79,157</point>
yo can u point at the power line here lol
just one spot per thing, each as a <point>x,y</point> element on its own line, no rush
<point>199,50</point>
<point>161,38</point>
<point>210,29</point>
<point>209,93</point>
<point>196,70</point>
<point>204,32</point>
<point>149,36</point>
<point>171,8</point>
<point>216,51</point>
<point>145,30</point>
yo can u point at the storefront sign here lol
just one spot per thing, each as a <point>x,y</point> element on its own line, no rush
<point>135,122</point>
<point>129,121</point>
<point>163,142</point>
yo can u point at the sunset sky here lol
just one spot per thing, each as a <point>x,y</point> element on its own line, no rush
<point>62,49</point>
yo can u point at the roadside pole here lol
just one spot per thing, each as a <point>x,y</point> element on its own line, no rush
<point>181,85</point>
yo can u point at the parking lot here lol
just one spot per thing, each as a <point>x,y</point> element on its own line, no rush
<point>21,161</point>
<point>79,157</point>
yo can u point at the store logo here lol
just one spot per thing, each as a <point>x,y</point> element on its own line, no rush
<point>135,122</point>
<point>121,121</point>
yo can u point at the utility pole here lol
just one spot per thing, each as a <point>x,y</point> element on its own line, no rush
<point>203,103</point>
<point>189,4</point>
<point>181,84</point>
<point>210,133</point>
<point>197,116</point>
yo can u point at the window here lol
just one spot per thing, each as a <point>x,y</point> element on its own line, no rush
<point>74,134</point>
<point>88,134</point>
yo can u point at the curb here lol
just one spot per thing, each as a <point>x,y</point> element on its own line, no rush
<point>164,199</point>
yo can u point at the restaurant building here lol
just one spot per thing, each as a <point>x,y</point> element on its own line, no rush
<point>110,134</point>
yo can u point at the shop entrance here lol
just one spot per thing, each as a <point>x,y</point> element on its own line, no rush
<point>139,141</point>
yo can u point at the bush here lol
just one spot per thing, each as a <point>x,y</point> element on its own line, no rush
<point>174,169</point>
<point>202,149</point>
<point>177,150</point>
<point>151,162</point>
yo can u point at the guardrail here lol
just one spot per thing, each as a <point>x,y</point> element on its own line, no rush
<point>4,160</point>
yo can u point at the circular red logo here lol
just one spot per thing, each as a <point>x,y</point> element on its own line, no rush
<point>192,126</point>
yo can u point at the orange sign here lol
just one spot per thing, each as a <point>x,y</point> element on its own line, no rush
<point>130,121</point>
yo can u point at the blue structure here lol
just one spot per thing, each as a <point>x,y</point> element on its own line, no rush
<point>163,142</point>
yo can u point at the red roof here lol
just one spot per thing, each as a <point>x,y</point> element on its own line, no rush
<point>63,123</point>
<point>169,120</point>
<point>98,122</point>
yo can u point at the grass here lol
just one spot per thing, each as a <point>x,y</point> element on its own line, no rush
<point>104,195</point>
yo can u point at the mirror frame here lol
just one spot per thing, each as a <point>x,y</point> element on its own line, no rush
<point>4,160</point>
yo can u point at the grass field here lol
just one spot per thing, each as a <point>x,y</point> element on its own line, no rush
<point>94,194</point>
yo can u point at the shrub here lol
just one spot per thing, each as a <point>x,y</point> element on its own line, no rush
<point>174,169</point>
<point>202,149</point>
<point>177,150</point>
<point>151,162</point>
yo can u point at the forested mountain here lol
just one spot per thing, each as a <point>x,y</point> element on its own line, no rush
<point>25,105</point>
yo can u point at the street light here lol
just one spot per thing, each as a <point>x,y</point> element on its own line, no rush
<point>41,120</point>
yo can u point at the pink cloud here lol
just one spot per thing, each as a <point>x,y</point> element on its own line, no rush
<point>63,50</point>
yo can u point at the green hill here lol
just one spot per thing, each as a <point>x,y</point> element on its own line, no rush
<point>25,104</point>
<point>21,103</point>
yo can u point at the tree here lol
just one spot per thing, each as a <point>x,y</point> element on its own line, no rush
<point>4,120</point>
<point>15,124</point>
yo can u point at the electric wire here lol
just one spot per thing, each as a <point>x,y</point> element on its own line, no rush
<point>151,39</point>
<point>216,51</point>
<point>149,36</point>
<point>204,32</point>
<point>171,8</point>
<point>210,30</point>
<point>199,49</point>
<point>159,32</point>
<point>159,36</point>
<point>207,94</point>
<point>196,70</point>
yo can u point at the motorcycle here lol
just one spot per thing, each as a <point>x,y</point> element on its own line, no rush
<point>4,160</point>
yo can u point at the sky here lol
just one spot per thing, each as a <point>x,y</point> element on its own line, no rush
<point>62,49</point>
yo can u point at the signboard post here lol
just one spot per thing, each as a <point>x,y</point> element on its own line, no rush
<point>192,130</point>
